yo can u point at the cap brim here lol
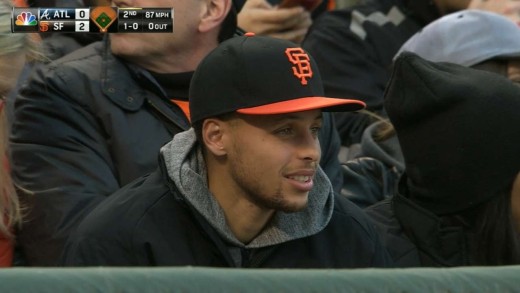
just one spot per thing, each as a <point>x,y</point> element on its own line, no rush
<point>305,104</point>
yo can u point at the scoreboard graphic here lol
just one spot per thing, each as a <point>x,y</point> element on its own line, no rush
<point>101,19</point>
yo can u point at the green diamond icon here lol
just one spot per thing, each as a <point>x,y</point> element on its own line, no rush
<point>103,20</point>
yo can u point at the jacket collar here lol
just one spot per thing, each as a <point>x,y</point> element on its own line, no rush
<point>387,151</point>
<point>118,87</point>
<point>129,86</point>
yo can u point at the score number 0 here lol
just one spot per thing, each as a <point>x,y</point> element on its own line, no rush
<point>82,14</point>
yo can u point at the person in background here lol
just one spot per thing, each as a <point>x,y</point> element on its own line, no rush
<point>458,201</point>
<point>51,45</point>
<point>354,48</point>
<point>473,38</point>
<point>242,187</point>
<point>15,50</point>
<point>272,18</point>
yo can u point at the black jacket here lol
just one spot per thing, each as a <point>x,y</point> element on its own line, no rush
<point>86,125</point>
<point>155,222</point>
<point>415,237</point>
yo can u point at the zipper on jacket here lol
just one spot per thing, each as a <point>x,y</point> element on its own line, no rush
<point>246,254</point>
<point>254,258</point>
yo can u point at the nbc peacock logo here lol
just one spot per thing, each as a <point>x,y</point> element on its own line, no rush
<point>26,19</point>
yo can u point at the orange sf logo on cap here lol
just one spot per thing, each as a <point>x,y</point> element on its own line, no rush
<point>300,59</point>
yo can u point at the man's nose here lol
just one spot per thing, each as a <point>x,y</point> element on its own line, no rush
<point>309,147</point>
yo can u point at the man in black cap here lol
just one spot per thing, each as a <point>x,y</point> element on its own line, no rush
<point>457,204</point>
<point>93,121</point>
<point>243,187</point>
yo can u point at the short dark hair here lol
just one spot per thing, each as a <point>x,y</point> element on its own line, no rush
<point>197,127</point>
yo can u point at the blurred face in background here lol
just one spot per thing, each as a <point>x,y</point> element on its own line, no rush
<point>509,68</point>
<point>449,6</point>
<point>142,47</point>
<point>515,202</point>
<point>513,70</point>
<point>513,73</point>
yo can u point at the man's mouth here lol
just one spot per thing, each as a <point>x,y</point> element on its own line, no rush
<point>301,178</point>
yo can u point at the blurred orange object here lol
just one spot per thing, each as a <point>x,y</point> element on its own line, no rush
<point>20,3</point>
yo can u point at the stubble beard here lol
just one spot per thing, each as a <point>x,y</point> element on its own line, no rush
<point>253,189</point>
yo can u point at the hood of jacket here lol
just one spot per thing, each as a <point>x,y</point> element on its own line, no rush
<point>186,167</point>
<point>387,151</point>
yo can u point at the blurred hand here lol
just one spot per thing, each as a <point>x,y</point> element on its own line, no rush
<point>262,18</point>
<point>508,8</point>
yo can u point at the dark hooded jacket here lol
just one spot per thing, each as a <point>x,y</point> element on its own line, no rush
<point>436,109</point>
<point>170,218</point>
<point>416,237</point>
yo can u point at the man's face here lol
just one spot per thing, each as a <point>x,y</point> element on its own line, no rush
<point>135,46</point>
<point>272,159</point>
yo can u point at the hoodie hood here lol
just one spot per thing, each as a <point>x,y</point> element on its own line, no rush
<point>387,151</point>
<point>186,167</point>
<point>446,116</point>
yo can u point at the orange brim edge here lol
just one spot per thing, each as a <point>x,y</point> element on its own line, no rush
<point>302,104</point>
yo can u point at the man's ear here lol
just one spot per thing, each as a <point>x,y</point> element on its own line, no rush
<point>213,135</point>
<point>214,14</point>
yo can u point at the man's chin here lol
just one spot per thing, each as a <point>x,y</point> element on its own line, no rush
<point>293,207</point>
<point>120,47</point>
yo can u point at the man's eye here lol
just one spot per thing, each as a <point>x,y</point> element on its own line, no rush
<point>284,131</point>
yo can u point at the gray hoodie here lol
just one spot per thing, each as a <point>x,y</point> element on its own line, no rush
<point>186,167</point>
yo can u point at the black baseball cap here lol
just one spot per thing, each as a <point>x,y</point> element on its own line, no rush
<point>260,75</point>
